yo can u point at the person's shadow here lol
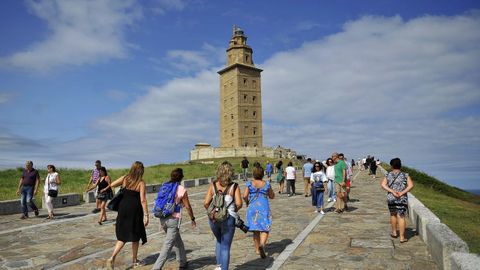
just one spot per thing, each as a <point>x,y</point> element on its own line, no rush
<point>271,248</point>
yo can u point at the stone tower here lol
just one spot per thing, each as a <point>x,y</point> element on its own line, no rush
<point>240,96</point>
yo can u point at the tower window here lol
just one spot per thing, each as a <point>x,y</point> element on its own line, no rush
<point>247,59</point>
<point>245,98</point>
<point>254,84</point>
<point>245,82</point>
<point>254,98</point>
<point>233,134</point>
<point>231,116</point>
<point>254,114</point>
<point>254,131</point>
<point>245,113</point>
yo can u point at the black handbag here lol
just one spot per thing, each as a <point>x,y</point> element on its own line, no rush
<point>114,203</point>
<point>52,193</point>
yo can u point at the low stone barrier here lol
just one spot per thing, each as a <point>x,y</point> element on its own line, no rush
<point>464,261</point>
<point>420,216</point>
<point>153,188</point>
<point>10,207</point>
<point>89,197</point>
<point>63,200</point>
<point>442,242</point>
<point>447,249</point>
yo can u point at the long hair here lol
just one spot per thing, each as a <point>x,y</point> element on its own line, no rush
<point>225,173</point>
<point>136,172</point>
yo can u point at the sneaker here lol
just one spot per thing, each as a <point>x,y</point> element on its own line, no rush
<point>321,212</point>
<point>329,200</point>
<point>334,200</point>
<point>316,211</point>
<point>294,194</point>
<point>36,212</point>
<point>218,267</point>
<point>24,217</point>
<point>289,195</point>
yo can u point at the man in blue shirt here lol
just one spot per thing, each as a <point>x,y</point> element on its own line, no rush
<point>269,170</point>
<point>307,171</point>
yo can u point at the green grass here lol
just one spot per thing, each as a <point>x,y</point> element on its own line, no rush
<point>75,180</point>
<point>458,209</point>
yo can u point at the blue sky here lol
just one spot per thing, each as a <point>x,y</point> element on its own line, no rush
<point>136,80</point>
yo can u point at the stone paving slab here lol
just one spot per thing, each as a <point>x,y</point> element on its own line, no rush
<point>76,241</point>
<point>360,238</point>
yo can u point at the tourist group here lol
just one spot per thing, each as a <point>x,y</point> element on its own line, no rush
<point>222,202</point>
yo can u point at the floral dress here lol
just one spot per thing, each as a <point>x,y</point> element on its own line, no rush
<point>258,211</point>
<point>397,182</point>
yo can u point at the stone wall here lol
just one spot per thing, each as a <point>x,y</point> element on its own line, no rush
<point>223,152</point>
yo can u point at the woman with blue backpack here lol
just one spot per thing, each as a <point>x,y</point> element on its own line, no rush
<point>171,198</point>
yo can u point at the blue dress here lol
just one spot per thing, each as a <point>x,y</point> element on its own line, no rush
<point>258,211</point>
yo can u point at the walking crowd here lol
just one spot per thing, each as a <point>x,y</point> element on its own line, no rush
<point>330,178</point>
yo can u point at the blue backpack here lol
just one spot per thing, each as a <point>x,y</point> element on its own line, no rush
<point>164,204</point>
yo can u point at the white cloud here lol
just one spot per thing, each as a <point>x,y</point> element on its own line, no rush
<point>382,86</point>
<point>192,61</point>
<point>5,97</point>
<point>162,6</point>
<point>307,25</point>
<point>116,95</point>
<point>81,32</point>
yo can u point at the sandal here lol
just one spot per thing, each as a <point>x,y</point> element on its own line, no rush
<point>109,264</point>
<point>138,264</point>
<point>403,241</point>
<point>393,236</point>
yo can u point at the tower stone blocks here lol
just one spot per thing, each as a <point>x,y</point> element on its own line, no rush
<point>241,131</point>
<point>240,96</point>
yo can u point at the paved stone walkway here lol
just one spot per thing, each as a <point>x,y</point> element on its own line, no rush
<point>358,239</point>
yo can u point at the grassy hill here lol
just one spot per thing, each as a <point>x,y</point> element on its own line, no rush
<point>458,209</point>
<point>75,180</point>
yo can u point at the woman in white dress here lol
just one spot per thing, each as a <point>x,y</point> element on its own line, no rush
<point>52,181</point>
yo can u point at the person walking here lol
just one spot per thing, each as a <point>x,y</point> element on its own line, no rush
<point>397,184</point>
<point>245,168</point>
<point>52,181</point>
<point>373,167</point>
<point>258,218</point>
<point>319,184</point>
<point>330,171</point>
<point>27,188</point>
<point>307,171</point>
<point>171,224</point>
<point>104,193</point>
<point>225,230</point>
<point>340,176</point>
<point>132,215</point>
<point>280,176</point>
<point>269,170</point>
<point>291,176</point>
<point>92,182</point>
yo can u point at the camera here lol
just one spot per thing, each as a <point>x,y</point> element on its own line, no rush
<point>241,225</point>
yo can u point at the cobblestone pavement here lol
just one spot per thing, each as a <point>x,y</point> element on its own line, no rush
<point>358,239</point>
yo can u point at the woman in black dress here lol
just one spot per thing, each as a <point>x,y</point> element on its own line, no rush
<point>132,215</point>
<point>104,193</point>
